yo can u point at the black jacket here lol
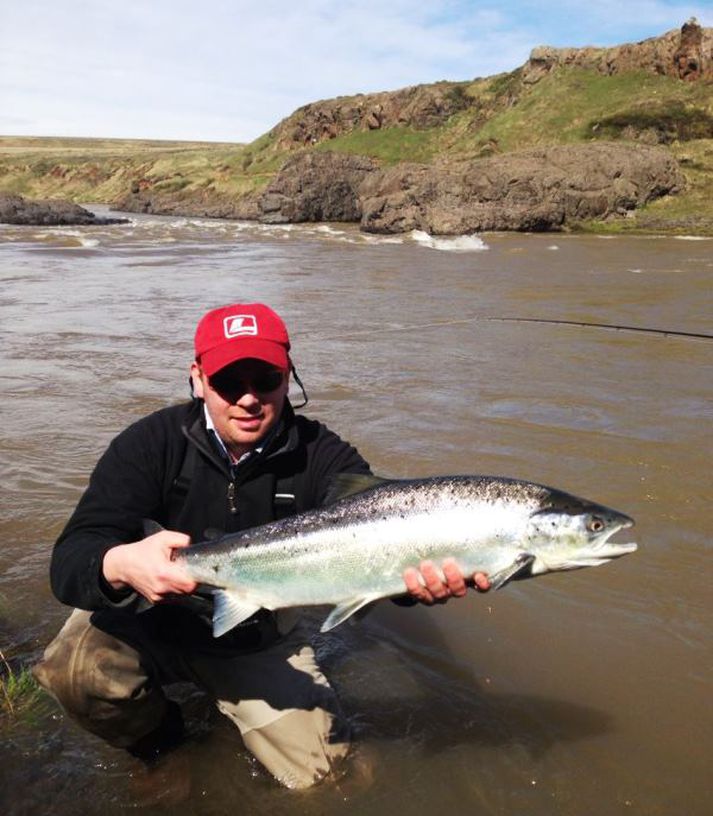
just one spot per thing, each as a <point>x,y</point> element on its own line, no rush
<point>143,475</point>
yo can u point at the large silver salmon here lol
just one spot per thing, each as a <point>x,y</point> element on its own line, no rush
<point>354,551</point>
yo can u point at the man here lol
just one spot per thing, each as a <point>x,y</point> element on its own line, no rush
<point>234,457</point>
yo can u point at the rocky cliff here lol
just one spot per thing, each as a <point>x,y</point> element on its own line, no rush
<point>685,54</point>
<point>420,106</point>
<point>544,189</point>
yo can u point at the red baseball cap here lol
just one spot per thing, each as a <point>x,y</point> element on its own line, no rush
<point>239,331</point>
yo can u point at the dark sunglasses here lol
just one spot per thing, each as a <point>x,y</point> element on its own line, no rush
<point>230,386</point>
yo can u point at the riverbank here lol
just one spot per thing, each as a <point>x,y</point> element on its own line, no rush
<point>648,99</point>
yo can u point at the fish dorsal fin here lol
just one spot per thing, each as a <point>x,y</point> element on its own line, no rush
<point>349,484</point>
<point>229,610</point>
<point>345,610</point>
<point>151,527</point>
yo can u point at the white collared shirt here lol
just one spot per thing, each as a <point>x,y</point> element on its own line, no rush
<point>228,455</point>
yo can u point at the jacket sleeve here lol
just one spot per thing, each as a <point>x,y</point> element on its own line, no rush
<point>124,489</point>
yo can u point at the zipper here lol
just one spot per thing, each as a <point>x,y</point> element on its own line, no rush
<point>231,498</point>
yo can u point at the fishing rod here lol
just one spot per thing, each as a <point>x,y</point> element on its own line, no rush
<point>580,323</point>
<point>611,326</point>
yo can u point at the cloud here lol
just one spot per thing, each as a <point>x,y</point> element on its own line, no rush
<point>230,70</point>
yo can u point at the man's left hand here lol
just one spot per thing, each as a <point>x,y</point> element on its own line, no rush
<point>429,585</point>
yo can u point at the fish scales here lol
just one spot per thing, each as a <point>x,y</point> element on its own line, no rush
<point>354,551</point>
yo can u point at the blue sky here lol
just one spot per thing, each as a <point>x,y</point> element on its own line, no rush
<point>229,71</point>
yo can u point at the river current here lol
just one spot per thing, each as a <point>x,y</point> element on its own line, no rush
<point>580,693</point>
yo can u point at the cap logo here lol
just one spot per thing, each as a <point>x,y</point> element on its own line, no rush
<point>239,326</point>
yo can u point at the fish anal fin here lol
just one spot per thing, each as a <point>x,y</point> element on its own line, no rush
<point>520,565</point>
<point>349,484</point>
<point>345,610</point>
<point>229,610</point>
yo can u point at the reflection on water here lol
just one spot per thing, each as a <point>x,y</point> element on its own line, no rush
<point>584,693</point>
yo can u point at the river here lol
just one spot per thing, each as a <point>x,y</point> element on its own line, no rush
<point>577,694</point>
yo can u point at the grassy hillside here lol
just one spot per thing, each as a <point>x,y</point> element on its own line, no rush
<point>103,170</point>
<point>503,114</point>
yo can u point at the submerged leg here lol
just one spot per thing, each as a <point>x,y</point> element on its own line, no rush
<point>105,685</point>
<point>288,715</point>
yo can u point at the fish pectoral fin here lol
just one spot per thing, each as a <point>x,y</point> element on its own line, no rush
<point>229,610</point>
<point>345,610</point>
<point>521,564</point>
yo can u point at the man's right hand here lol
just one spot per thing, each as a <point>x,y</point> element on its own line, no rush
<point>148,567</point>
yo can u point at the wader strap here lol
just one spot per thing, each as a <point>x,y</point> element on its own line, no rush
<point>178,490</point>
<point>284,503</point>
<point>182,482</point>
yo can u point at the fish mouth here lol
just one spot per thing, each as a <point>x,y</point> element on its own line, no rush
<point>599,550</point>
<point>603,549</point>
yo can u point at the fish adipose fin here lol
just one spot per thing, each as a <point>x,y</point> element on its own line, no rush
<point>345,610</point>
<point>229,611</point>
<point>520,565</point>
<point>349,484</point>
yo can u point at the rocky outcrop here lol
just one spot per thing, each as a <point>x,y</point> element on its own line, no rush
<point>684,54</point>
<point>15,209</point>
<point>533,190</point>
<point>544,189</point>
<point>207,204</point>
<point>420,106</point>
<point>316,186</point>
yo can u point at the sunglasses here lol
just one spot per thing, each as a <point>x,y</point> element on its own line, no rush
<point>231,387</point>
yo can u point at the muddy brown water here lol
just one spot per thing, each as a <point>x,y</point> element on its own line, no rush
<point>581,693</point>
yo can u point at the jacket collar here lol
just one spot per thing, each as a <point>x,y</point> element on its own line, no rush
<point>283,440</point>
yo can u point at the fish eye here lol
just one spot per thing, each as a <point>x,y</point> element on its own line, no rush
<point>595,525</point>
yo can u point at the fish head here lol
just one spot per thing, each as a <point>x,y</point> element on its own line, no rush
<point>573,534</point>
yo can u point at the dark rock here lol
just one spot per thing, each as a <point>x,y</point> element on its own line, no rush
<point>316,186</point>
<point>693,59</point>
<point>534,190</point>
<point>205,205</point>
<point>15,209</point>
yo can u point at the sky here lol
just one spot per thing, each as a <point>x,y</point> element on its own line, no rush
<point>218,70</point>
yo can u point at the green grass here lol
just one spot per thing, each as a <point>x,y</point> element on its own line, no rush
<point>388,145</point>
<point>571,105</point>
<point>21,698</point>
<point>85,170</point>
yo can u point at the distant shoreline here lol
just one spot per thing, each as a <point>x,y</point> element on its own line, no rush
<point>561,143</point>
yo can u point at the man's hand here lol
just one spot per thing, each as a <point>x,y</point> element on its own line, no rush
<point>147,566</point>
<point>426,584</point>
